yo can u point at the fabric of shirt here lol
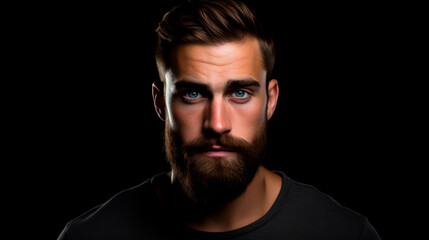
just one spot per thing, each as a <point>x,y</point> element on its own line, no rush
<point>299,212</point>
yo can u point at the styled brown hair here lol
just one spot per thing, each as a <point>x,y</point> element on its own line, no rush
<point>209,22</point>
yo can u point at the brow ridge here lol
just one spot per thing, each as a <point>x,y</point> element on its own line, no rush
<point>230,84</point>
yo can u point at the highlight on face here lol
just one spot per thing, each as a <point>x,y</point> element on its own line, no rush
<point>214,62</point>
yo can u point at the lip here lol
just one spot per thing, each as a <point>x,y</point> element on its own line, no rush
<point>218,151</point>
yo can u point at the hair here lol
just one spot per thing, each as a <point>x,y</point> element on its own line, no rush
<point>209,22</point>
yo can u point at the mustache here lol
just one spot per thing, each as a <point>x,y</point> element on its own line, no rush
<point>204,144</point>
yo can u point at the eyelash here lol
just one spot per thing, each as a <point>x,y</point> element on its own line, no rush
<point>191,100</point>
<point>186,98</point>
<point>192,92</point>
<point>242,91</point>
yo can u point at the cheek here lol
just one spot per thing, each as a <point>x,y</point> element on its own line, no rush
<point>249,119</point>
<point>186,120</point>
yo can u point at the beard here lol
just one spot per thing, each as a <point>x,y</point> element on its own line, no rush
<point>213,181</point>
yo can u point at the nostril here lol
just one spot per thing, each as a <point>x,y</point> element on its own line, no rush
<point>210,133</point>
<point>217,127</point>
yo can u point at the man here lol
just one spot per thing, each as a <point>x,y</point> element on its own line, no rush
<point>216,96</point>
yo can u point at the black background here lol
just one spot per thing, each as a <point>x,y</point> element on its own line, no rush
<point>90,129</point>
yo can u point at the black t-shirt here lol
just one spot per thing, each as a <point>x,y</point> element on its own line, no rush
<point>299,212</point>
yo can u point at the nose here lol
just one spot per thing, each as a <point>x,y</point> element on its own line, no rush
<point>217,118</point>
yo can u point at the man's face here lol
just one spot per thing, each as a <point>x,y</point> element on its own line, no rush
<point>216,114</point>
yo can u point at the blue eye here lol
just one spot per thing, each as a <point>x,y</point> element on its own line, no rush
<point>239,93</point>
<point>192,94</point>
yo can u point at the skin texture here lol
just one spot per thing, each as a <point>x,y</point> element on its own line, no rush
<point>217,90</point>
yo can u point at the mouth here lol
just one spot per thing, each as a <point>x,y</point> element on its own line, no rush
<point>218,151</point>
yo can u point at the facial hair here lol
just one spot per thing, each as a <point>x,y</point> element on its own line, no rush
<point>213,181</point>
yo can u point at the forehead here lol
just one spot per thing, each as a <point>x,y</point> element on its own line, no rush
<point>217,62</point>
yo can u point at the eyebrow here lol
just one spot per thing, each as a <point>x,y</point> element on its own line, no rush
<point>230,85</point>
<point>189,84</point>
<point>242,83</point>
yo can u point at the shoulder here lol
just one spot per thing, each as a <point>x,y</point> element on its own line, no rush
<point>118,216</point>
<point>311,198</point>
<point>318,212</point>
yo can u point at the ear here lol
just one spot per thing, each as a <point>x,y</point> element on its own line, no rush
<point>273,96</point>
<point>158,101</point>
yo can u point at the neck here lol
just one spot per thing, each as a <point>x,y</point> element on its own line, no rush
<point>254,203</point>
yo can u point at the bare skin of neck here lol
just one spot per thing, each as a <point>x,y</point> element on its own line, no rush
<point>254,203</point>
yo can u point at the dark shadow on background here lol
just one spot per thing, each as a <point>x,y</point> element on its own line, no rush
<point>100,134</point>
